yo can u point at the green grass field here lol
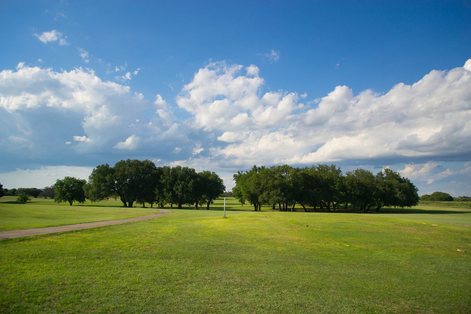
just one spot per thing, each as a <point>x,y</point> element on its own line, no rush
<point>46,213</point>
<point>282,262</point>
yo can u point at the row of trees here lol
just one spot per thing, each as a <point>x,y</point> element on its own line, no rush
<point>141,181</point>
<point>323,187</point>
<point>47,192</point>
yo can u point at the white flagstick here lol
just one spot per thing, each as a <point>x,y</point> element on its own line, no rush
<point>225,216</point>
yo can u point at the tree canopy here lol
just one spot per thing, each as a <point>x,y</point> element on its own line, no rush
<point>437,196</point>
<point>323,187</point>
<point>69,189</point>
<point>141,181</point>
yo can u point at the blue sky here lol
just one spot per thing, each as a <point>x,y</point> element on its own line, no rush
<point>224,85</point>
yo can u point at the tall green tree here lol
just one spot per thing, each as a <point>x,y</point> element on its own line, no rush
<point>250,186</point>
<point>185,186</point>
<point>212,186</point>
<point>69,190</point>
<point>132,180</point>
<point>1,190</point>
<point>101,183</point>
<point>362,190</point>
<point>396,190</point>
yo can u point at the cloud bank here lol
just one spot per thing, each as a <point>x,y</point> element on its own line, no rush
<point>76,118</point>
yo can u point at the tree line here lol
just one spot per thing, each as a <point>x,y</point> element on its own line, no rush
<point>323,187</point>
<point>136,181</point>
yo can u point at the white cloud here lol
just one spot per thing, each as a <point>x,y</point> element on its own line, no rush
<point>197,149</point>
<point>236,122</point>
<point>162,109</point>
<point>428,119</point>
<point>272,56</point>
<point>226,98</point>
<point>52,36</point>
<point>83,138</point>
<point>58,115</point>
<point>84,55</point>
<point>131,143</point>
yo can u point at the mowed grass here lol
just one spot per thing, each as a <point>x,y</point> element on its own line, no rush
<point>45,213</point>
<point>277,262</point>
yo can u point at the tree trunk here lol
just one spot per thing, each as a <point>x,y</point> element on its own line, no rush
<point>207,204</point>
<point>70,203</point>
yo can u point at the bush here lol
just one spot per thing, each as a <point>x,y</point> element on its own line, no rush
<point>437,196</point>
<point>22,199</point>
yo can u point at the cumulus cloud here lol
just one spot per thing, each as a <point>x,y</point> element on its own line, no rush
<point>227,97</point>
<point>51,115</point>
<point>234,122</point>
<point>427,119</point>
<point>51,37</point>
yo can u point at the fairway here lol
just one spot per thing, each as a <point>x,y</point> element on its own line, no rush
<point>45,213</point>
<point>196,261</point>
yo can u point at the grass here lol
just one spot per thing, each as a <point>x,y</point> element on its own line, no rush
<point>45,213</point>
<point>196,261</point>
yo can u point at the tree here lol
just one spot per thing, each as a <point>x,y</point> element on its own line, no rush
<point>437,196</point>
<point>212,186</point>
<point>396,190</point>
<point>69,190</point>
<point>249,186</point>
<point>185,188</point>
<point>47,192</point>
<point>33,192</point>
<point>101,183</point>
<point>362,190</point>
<point>132,180</point>
<point>1,190</point>
<point>330,186</point>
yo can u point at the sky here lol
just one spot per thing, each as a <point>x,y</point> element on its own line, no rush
<point>225,85</point>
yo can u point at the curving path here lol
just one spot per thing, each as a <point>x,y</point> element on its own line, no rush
<point>11,234</point>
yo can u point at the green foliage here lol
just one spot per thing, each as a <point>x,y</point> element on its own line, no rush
<point>22,199</point>
<point>141,181</point>
<point>211,186</point>
<point>33,192</point>
<point>69,190</point>
<point>1,190</point>
<point>47,192</point>
<point>437,196</point>
<point>100,183</point>
<point>323,187</point>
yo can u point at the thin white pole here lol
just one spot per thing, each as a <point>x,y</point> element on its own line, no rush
<point>225,216</point>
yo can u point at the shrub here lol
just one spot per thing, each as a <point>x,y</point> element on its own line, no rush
<point>22,198</point>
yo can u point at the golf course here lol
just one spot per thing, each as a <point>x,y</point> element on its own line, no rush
<point>397,261</point>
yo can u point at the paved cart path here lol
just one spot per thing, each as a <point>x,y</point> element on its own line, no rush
<point>11,234</point>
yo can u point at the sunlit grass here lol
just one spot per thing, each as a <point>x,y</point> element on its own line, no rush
<point>46,213</point>
<point>197,261</point>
